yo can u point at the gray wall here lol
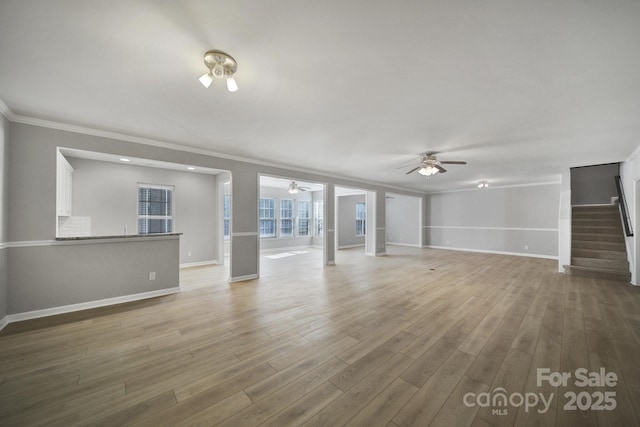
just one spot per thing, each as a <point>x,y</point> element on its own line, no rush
<point>594,185</point>
<point>403,220</point>
<point>346,225</point>
<point>108,193</point>
<point>285,242</point>
<point>32,216</point>
<point>49,276</point>
<point>521,220</point>
<point>4,208</point>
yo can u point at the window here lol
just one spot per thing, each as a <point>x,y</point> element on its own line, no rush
<point>318,218</point>
<point>304,214</point>
<point>267,218</point>
<point>227,216</point>
<point>361,218</point>
<point>155,209</point>
<point>286,218</point>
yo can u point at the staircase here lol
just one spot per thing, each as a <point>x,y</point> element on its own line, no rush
<point>598,247</point>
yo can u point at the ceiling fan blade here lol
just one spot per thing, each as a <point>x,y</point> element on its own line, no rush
<point>413,170</point>
<point>440,168</point>
<point>452,162</point>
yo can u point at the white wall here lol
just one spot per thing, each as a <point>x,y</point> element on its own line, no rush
<point>403,220</point>
<point>630,176</point>
<point>108,194</point>
<point>517,220</point>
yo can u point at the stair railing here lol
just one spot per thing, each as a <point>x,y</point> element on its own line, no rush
<point>622,201</point>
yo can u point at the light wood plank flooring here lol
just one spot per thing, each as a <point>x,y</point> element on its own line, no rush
<point>391,341</point>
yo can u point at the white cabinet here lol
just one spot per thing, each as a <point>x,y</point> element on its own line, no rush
<point>64,186</point>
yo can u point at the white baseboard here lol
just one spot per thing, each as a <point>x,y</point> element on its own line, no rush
<point>331,263</point>
<point>88,305</point>
<point>285,248</point>
<point>243,278</point>
<point>410,245</point>
<point>199,264</point>
<point>4,322</point>
<point>361,245</point>
<point>381,254</point>
<point>486,251</point>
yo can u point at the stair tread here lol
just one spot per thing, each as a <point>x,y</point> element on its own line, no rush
<point>613,264</point>
<point>602,270</point>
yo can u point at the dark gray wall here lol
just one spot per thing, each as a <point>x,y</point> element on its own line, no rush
<point>4,208</point>
<point>521,220</point>
<point>108,193</point>
<point>403,219</point>
<point>594,185</point>
<point>346,207</point>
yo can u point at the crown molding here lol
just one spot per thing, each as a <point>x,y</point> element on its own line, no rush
<point>18,118</point>
<point>633,155</point>
<point>6,111</point>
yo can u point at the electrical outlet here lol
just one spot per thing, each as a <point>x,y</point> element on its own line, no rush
<point>189,253</point>
<point>526,247</point>
<point>152,275</point>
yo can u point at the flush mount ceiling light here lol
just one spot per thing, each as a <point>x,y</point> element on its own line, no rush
<point>483,184</point>
<point>221,65</point>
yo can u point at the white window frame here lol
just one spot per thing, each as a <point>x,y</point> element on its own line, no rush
<point>361,218</point>
<point>290,217</point>
<point>264,219</point>
<point>318,218</point>
<point>226,214</point>
<point>146,217</point>
<point>304,219</point>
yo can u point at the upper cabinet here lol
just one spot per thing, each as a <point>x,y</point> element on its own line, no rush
<point>64,186</point>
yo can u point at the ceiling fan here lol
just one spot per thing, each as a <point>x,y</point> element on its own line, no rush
<point>429,164</point>
<point>294,188</point>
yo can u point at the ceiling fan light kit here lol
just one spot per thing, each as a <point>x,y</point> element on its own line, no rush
<point>221,65</point>
<point>430,165</point>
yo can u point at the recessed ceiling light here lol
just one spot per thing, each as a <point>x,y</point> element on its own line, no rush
<point>191,168</point>
<point>125,160</point>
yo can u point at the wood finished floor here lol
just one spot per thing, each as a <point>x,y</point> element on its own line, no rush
<point>390,341</point>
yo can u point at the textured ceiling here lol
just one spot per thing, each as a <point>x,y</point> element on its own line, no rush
<point>522,90</point>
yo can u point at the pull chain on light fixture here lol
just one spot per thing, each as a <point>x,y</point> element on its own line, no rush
<point>221,65</point>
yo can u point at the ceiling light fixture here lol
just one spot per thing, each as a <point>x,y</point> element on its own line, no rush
<point>428,170</point>
<point>483,184</point>
<point>293,188</point>
<point>221,65</point>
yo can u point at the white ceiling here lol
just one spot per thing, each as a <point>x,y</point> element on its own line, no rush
<point>522,90</point>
